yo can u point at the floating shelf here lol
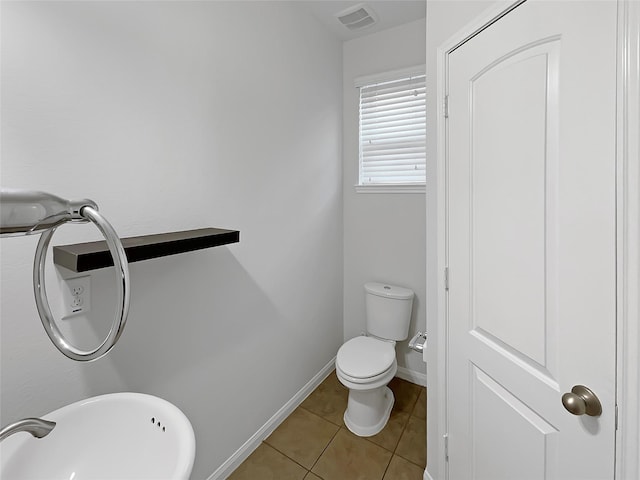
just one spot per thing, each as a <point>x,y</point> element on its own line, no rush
<point>82,257</point>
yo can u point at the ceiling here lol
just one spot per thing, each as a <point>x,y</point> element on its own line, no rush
<point>390,13</point>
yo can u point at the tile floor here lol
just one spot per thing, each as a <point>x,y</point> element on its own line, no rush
<point>313,442</point>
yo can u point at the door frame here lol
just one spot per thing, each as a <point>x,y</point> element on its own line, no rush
<point>628,244</point>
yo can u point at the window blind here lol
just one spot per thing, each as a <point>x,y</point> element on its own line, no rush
<point>393,132</point>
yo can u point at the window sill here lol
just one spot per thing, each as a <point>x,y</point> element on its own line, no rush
<point>386,188</point>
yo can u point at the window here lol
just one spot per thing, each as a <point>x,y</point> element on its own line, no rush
<point>393,131</point>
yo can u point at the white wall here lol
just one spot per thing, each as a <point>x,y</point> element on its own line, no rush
<point>444,19</point>
<point>171,116</point>
<point>384,234</point>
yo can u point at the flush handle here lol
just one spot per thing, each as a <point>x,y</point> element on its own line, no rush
<point>582,401</point>
<point>418,342</point>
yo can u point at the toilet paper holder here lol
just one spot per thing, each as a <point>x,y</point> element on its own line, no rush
<point>418,342</point>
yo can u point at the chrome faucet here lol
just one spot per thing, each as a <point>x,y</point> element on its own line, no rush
<point>35,426</point>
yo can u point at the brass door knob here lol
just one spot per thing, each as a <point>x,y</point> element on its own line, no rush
<point>582,401</point>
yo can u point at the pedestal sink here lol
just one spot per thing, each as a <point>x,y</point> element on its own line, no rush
<point>114,436</point>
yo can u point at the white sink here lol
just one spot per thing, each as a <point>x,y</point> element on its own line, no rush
<point>114,436</point>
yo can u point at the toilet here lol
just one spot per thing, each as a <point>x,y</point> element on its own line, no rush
<point>366,364</point>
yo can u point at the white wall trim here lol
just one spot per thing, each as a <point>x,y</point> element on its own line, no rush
<point>628,221</point>
<point>412,376</point>
<point>436,364</point>
<point>250,445</point>
<point>426,476</point>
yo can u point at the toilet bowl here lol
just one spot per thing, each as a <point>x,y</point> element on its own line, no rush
<point>366,364</point>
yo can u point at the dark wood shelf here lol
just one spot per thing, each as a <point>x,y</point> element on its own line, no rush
<point>83,257</point>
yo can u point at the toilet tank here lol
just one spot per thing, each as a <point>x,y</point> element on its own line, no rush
<point>388,310</point>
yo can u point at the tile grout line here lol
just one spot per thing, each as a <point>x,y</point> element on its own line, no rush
<point>287,456</point>
<point>401,434</point>
<point>393,454</point>
<point>324,450</point>
<point>405,427</point>
<point>387,467</point>
<point>319,416</point>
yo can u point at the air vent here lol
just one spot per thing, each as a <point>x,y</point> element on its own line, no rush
<point>357,17</point>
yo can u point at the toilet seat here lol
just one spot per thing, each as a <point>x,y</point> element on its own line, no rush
<point>367,383</point>
<point>362,359</point>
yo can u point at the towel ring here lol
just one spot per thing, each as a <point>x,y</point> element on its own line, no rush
<point>123,290</point>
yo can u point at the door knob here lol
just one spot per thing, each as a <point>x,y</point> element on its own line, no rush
<point>582,401</point>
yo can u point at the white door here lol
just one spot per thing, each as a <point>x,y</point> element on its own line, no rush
<point>531,243</point>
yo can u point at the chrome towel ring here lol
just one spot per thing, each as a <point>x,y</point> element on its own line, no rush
<point>28,212</point>
<point>123,289</point>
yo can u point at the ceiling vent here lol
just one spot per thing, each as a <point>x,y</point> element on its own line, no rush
<point>357,17</point>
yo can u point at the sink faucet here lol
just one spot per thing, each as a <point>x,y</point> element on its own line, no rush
<point>35,426</point>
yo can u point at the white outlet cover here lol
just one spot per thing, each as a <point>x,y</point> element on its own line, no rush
<point>76,296</point>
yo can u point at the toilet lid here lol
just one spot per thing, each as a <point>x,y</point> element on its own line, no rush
<point>364,357</point>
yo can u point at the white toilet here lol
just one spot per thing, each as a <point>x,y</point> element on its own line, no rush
<point>366,364</point>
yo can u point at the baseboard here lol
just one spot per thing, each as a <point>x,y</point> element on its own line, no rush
<point>426,476</point>
<point>412,376</point>
<point>250,445</point>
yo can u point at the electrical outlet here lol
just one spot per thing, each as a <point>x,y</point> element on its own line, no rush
<point>77,290</point>
<point>76,296</point>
